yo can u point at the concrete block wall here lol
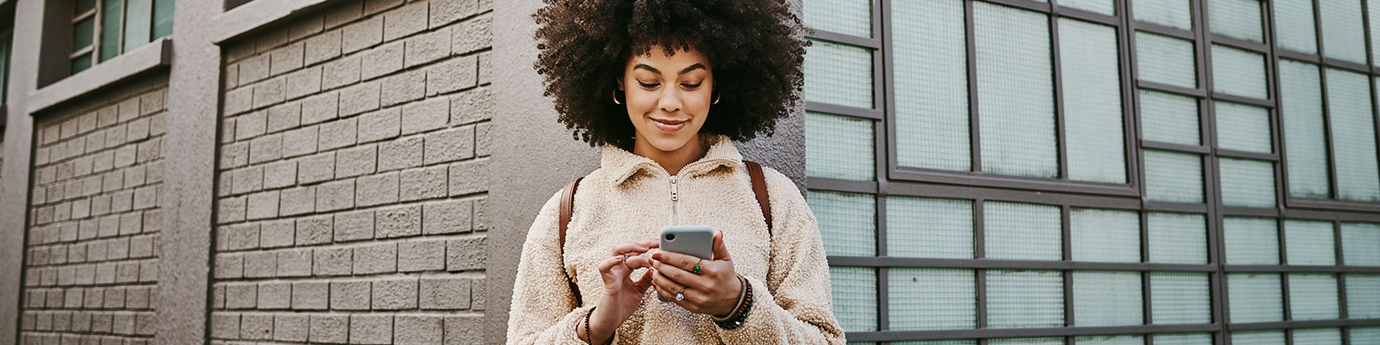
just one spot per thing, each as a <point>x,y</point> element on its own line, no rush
<point>91,260</point>
<point>353,177</point>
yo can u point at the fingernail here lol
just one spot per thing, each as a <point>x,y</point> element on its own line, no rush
<point>656,256</point>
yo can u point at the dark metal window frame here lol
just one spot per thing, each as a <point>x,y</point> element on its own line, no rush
<point>981,187</point>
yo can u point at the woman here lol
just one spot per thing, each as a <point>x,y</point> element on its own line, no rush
<point>664,86</point>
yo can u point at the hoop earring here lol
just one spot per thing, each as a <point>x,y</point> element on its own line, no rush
<point>717,97</point>
<point>615,98</point>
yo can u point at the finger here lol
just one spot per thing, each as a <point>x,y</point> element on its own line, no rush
<point>636,247</point>
<point>644,282</point>
<point>681,277</point>
<point>665,287</point>
<point>638,261</point>
<point>613,266</point>
<point>720,249</point>
<point>682,261</point>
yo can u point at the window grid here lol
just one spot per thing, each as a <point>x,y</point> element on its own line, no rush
<point>95,52</point>
<point>980,189</point>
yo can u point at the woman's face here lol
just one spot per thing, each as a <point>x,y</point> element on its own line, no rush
<point>668,97</point>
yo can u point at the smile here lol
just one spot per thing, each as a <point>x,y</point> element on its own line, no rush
<point>669,126</point>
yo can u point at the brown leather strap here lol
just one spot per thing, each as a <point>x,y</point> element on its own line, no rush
<point>759,188</point>
<point>567,207</point>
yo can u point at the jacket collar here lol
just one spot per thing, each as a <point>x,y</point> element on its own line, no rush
<point>623,165</point>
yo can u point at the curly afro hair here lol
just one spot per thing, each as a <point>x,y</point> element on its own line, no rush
<point>754,47</point>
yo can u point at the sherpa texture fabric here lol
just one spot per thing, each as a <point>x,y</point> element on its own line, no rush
<point>628,199</point>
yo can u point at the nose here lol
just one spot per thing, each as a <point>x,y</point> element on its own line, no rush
<point>669,100</point>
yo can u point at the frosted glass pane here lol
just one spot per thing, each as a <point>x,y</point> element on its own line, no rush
<point>936,342</point>
<point>1107,298</point>
<point>929,228</point>
<point>1177,238</point>
<point>1171,13</point>
<point>84,5</point>
<point>932,118</point>
<point>1111,340</point>
<point>81,63</point>
<point>1105,235</point>
<point>1319,336</point>
<point>1344,32</point>
<point>1243,128</point>
<point>1183,339</point>
<point>1255,297</point>
<point>137,23</point>
<point>1309,243</point>
<point>1025,299</point>
<point>1169,118</point>
<point>1294,26</point>
<point>838,74</point>
<point>162,18</point>
<point>1106,7</point>
<point>111,19</point>
<point>1300,89</point>
<point>932,299</point>
<point>1361,244</point>
<point>1165,60</point>
<point>849,17</point>
<point>855,297</point>
<point>1353,135</point>
<point>1027,341</point>
<point>1092,102</point>
<point>1247,182</point>
<point>1363,296</point>
<point>1015,92</point>
<point>847,222</point>
<point>1365,335</point>
<point>1257,337</point>
<point>1313,296</point>
<point>1236,18</point>
<point>1251,241</point>
<point>1238,72</point>
<point>839,147</point>
<point>1173,177</point>
<point>1180,298</point>
<point>82,33</point>
<point>1022,231</point>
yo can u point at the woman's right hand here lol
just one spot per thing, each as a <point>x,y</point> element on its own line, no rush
<point>622,294</point>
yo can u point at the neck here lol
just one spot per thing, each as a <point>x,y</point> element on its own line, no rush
<point>671,161</point>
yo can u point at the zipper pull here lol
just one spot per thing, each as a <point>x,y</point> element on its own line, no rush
<point>674,195</point>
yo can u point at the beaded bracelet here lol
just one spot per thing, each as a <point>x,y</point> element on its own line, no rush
<point>590,335</point>
<point>736,319</point>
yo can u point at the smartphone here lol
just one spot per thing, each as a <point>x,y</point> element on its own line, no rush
<point>693,240</point>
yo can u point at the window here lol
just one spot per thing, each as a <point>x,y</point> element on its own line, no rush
<point>1096,171</point>
<point>104,29</point>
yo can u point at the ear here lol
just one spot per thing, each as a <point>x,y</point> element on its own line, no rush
<point>620,84</point>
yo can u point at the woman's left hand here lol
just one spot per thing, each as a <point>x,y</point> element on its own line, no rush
<point>714,290</point>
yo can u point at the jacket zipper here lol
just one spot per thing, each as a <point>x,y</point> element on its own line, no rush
<point>675,200</point>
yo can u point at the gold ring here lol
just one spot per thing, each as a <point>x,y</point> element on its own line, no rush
<point>680,295</point>
<point>697,266</point>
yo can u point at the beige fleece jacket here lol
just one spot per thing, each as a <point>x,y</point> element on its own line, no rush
<point>628,199</point>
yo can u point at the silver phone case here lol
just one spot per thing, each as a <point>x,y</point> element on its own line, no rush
<point>693,240</point>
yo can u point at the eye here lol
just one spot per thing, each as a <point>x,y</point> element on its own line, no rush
<point>647,85</point>
<point>691,86</point>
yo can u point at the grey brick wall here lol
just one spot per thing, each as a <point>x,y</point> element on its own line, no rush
<point>91,260</point>
<point>353,177</point>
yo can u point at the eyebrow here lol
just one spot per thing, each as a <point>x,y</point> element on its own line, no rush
<point>654,70</point>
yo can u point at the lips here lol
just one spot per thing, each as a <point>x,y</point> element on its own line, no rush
<point>669,126</point>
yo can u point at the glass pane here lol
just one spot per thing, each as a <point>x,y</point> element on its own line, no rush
<point>1309,243</point>
<point>1344,34</point>
<point>1251,241</point>
<point>1107,298</point>
<point>838,74</point>
<point>1300,89</point>
<point>1294,26</point>
<point>1177,238</point>
<point>1319,336</point>
<point>1169,118</point>
<point>81,63</point>
<point>929,228</point>
<point>1111,340</point>
<point>839,147</point>
<point>1092,102</point>
<point>162,18</point>
<point>1363,296</point>
<point>112,13</point>
<point>1165,60</point>
<point>849,17</point>
<point>84,5</point>
<point>1173,177</point>
<point>1353,135</point>
<point>1236,18</point>
<point>1243,128</point>
<point>1238,72</point>
<point>1374,15</point>
<point>1313,296</point>
<point>1257,337</point>
<point>1183,339</point>
<point>137,23</point>
<point>1025,299</point>
<point>1247,182</point>
<point>1015,92</point>
<point>936,342</point>
<point>1171,13</point>
<point>847,222</point>
<point>1105,235</point>
<point>932,299</point>
<point>1106,7</point>
<point>1180,298</point>
<point>1027,341</point>
<point>1022,231</point>
<point>1361,244</point>
<point>1255,297</point>
<point>855,297</point>
<point>932,120</point>
<point>1365,335</point>
<point>82,33</point>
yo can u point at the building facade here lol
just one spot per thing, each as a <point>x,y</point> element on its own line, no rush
<point>982,171</point>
